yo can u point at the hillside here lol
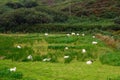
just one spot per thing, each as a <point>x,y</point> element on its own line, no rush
<point>101,14</point>
<point>15,49</point>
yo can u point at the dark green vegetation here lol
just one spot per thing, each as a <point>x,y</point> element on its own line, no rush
<point>58,68</point>
<point>58,15</point>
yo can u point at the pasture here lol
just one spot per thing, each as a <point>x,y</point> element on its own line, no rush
<point>53,47</point>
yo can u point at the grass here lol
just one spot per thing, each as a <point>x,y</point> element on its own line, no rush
<point>53,46</point>
<point>60,71</point>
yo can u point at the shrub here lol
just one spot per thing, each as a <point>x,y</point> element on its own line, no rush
<point>37,58</point>
<point>117,78</point>
<point>19,54</point>
<point>71,55</point>
<point>30,3</point>
<point>23,16</point>
<point>109,14</point>
<point>111,59</point>
<point>117,20</point>
<point>53,57</point>
<point>56,15</point>
<point>14,5</point>
<point>5,73</point>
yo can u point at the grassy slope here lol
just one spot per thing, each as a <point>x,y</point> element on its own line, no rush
<point>58,71</point>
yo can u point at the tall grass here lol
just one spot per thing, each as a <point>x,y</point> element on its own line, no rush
<point>51,46</point>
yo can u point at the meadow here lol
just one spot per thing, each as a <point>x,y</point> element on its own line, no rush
<point>57,68</point>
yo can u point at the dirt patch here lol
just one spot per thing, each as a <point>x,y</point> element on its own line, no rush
<point>110,41</point>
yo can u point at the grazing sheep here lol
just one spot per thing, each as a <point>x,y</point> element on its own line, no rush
<point>93,36</point>
<point>83,51</point>
<point>66,48</point>
<point>46,59</point>
<point>66,57</point>
<point>18,46</point>
<point>83,34</point>
<point>77,34</point>
<point>89,62</point>
<point>13,69</point>
<point>30,57</point>
<point>94,42</point>
<point>46,34</point>
<point>72,33</point>
<point>68,34</point>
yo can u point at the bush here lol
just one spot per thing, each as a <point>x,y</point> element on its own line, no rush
<point>19,54</point>
<point>117,78</point>
<point>5,73</point>
<point>56,15</point>
<point>14,5</point>
<point>37,58</point>
<point>23,16</point>
<point>111,59</point>
<point>30,3</point>
<point>109,14</point>
<point>117,20</point>
<point>25,4</point>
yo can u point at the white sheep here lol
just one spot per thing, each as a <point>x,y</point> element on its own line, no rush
<point>46,59</point>
<point>83,51</point>
<point>30,57</point>
<point>83,34</point>
<point>93,36</point>
<point>66,57</point>
<point>66,48</point>
<point>77,34</point>
<point>68,34</point>
<point>13,69</point>
<point>46,34</point>
<point>19,46</point>
<point>94,42</point>
<point>89,62</point>
<point>72,33</point>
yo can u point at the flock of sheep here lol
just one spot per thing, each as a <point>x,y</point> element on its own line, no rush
<point>29,57</point>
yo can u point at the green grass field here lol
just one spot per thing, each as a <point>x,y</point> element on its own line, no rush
<point>53,46</point>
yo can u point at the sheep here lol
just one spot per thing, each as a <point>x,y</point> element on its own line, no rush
<point>46,59</point>
<point>19,46</point>
<point>83,51</point>
<point>66,57</point>
<point>13,69</point>
<point>94,42</point>
<point>77,34</point>
<point>66,48</point>
<point>72,33</point>
<point>83,34</point>
<point>68,34</point>
<point>89,62</point>
<point>30,57</point>
<point>46,34</point>
<point>93,36</point>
